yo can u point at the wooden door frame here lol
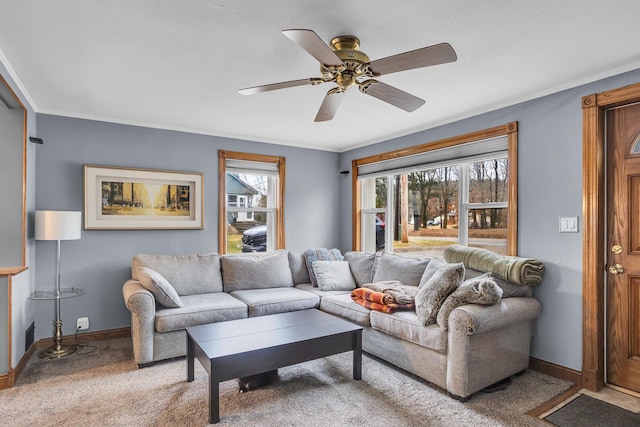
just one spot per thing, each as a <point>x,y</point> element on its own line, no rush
<point>594,238</point>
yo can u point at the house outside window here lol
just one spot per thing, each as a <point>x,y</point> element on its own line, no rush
<point>240,194</point>
<point>462,190</point>
<point>251,196</point>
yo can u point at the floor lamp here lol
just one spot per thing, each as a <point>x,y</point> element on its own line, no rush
<point>58,225</point>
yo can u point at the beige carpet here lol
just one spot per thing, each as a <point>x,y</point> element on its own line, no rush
<point>106,389</point>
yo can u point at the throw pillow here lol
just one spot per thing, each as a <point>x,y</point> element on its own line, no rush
<point>322,254</point>
<point>256,271</point>
<point>509,289</point>
<point>434,265</point>
<point>334,276</point>
<point>161,289</point>
<point>480,290</point>
<point>395,267</point>
<point>432,294</point>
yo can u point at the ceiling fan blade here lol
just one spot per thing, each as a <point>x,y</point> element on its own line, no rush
<point>432,55</point>
<point>391,95</point>
<point>330,105</point>
<point>281,85</point>
<point>313,44</point>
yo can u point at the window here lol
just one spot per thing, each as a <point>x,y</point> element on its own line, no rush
<point>422,199</point>
<point>251,200</point>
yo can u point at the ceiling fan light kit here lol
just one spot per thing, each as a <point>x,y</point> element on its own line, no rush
<point>345,65</point>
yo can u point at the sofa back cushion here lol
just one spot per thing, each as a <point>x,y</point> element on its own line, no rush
<point>256,271</point>
<point>361,265</point>
<point>395,267</point>
<point>298,266</point>
<point>188,274</point>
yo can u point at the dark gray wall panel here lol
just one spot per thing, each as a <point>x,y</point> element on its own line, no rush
<point>21,309</point>
<point>11,165</point>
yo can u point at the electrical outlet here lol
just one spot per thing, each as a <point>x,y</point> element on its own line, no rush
<point>82,323</point>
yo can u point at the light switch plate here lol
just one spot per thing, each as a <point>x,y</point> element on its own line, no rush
<point>568,224</point>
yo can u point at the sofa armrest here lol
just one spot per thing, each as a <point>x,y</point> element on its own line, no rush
<point>475,319</point>
<point>480,335</point>
<point>142,305</point>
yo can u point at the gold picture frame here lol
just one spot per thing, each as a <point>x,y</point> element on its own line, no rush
<point>117,198</point>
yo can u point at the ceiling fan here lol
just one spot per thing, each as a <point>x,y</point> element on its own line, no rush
<point>345,65</point>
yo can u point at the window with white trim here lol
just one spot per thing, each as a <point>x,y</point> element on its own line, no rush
<point>423,202</point>
<point>251,217</point>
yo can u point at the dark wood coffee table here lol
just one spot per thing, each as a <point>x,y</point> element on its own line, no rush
<point>239,348</point>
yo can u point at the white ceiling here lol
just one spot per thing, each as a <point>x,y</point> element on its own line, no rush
<point>177,65</point>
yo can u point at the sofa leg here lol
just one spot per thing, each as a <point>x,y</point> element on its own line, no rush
<point>500,385</point>
<point>460,398</point>
<point>144,365</point>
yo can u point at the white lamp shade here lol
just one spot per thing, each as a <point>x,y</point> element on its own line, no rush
<point>58,225</point>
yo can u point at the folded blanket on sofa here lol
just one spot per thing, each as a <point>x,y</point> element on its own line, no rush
<point>399,293</point>
<point>378,301</point>
<point>523,271</point>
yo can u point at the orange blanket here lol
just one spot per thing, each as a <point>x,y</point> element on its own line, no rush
<point>378,301</point>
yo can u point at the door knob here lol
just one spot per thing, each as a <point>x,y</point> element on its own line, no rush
<point>616,269</point>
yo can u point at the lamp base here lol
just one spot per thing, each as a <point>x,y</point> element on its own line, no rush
<point>58,350</point>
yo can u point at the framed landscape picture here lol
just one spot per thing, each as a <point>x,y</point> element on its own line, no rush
<point>124,198</point>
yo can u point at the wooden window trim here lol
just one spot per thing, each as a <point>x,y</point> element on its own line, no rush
<point>593,241</point>
<point>223,156</point>
<point>510,130</point>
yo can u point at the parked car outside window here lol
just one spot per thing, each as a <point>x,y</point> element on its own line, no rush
<point>379,234</point>
<point>435,221</point>
<point>255,239</point>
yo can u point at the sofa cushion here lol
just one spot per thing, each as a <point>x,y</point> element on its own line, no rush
<point>161,289</point>
<point>509,289</point>
<point>395,267</point>
<point>361,265</point>
<point>343,306</point>
<point>308,287</point>
<point>188,274</point>
<point>276,300</point>
<point>321,254</point>
<point>298,266</point>
<point>480,290</point>
<point>256,271</point>
<point>405,325</point>
<point>199,310</point>
<point>431,296</point>
<point>334,275</point>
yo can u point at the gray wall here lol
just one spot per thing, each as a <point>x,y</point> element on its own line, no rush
<point>549,186</point>
<point>100,262</point>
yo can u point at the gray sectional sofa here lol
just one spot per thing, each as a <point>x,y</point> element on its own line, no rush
<point>479,346</point>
